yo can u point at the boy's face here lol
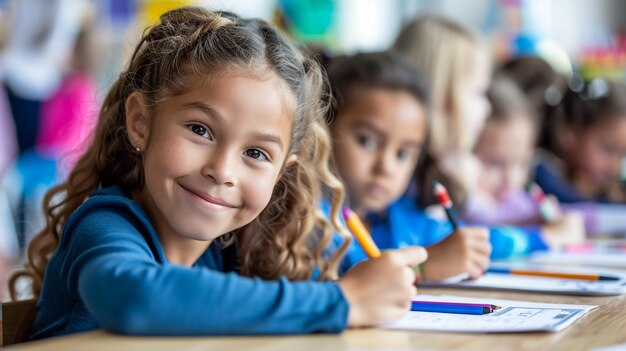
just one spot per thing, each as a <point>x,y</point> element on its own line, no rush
<point>213,155</point>
<point>377,140</point>
<point>599,152</point>
<point>505,150</point>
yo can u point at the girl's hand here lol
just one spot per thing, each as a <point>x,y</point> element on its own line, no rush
<point>380,290</point>
<point>466,250</point>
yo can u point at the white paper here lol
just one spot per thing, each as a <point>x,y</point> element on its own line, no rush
<point>515,316</point>
<point>537,284</point>
<point>616,260</point>
<point>493,281</point>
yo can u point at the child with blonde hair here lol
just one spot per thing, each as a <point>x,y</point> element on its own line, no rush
<point>194,210</point>
<point>457,68</point>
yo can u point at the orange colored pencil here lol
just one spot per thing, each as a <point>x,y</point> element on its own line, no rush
<point>361,233</point>
<point>551,274</point>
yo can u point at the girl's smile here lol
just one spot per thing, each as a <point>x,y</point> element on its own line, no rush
<point>207,200</point>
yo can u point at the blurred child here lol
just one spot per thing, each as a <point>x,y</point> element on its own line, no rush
<point>194,210</point>
<point>379,127</point>
<point>42,34</point>
<point>537,80</point>
<point>506,149</point>
<point>69,115</point>
<point>457,67</point>
<point>585,135</point>
<point>66,101</point>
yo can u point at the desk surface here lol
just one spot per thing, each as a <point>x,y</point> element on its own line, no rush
<point>603,326</point>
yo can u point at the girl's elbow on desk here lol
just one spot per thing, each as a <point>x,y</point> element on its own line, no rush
<point>123,307</point>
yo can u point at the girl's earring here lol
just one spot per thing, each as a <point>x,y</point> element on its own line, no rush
<point>138,149</point>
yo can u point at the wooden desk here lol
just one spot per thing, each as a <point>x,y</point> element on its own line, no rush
<point>602,326</point>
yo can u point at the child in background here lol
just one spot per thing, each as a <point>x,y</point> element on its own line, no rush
<point>69,115</point>
<point>457,68</point>
<point>66,121</point>
<point>585,135</point>
<point>456,65</point>
<point>537,80</point>
<point>194,210</point>
<point>506,149</point>
<point>379,127</point>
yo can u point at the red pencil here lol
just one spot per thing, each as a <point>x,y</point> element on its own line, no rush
<point>443,198</point>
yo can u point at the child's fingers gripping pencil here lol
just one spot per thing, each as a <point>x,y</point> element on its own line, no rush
<point>364,239</point>
<point>443,198</point>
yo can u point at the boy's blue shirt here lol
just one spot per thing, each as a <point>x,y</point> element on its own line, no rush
<point>404,223</point>
<point>110,271</point>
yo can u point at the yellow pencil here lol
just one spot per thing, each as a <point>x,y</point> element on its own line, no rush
<point>361,233</point>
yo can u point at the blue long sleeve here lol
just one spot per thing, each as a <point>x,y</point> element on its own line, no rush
<point>110,271</point>
<point>511,241</point>
<point>405,224</point>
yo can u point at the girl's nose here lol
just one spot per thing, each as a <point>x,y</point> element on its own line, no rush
<point>221,167</point>
<point>385,161</point>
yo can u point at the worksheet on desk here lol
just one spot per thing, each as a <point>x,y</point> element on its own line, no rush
<point>513,317</point>
<point>615,260</point>
<point>536,284</point>
<point>497,281</point>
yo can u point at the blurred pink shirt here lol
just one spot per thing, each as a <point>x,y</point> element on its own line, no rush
<point>68,118</point>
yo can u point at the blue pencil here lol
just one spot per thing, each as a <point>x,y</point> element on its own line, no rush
<point>452,307</point>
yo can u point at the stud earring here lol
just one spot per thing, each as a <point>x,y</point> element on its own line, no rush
<point>137,149</point>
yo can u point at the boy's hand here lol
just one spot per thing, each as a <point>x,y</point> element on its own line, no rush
<point>466,250</point>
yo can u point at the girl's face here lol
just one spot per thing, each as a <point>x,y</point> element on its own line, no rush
<point>476,106</point>
<point>505,149</point>
<point>213,155</point>
<point>598,152</point>
<point>377,141</point>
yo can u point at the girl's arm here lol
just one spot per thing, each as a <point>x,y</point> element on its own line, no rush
<point>113,269</point>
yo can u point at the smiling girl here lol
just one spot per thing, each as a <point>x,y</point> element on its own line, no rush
<point>194,210</point>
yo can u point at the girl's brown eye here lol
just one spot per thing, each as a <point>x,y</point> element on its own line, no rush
<point>256,154</point>
<point>200,130</point>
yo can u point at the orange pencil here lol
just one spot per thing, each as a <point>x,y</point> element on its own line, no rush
<point>551,274</point>
<point>361,233</point>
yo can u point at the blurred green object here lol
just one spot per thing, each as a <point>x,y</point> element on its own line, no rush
<point>308,20</point>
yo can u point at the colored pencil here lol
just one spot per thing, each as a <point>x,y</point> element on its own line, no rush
<point>361,233</point>
<point>443,198</point>
<point>552,274</point>
<point>364,238</point>
<point>452,307</point>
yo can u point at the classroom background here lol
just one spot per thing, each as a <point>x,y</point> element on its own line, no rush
<point>57,58</point>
